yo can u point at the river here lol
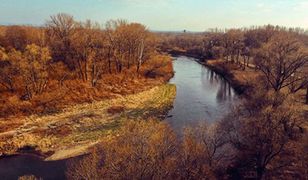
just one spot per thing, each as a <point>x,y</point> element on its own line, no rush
<point>202,95</point>
<point>15,166</point>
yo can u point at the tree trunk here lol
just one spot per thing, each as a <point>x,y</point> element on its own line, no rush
<point>86,69</point>
<point>140,56</point>
<point>93,75</point>
<point>307,95</point>
<point>109,61</point>
<point>80,70</point>
<point>238,57</point>
<point>260,172</point>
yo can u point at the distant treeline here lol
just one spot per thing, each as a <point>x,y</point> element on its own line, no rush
<point>281,54</point>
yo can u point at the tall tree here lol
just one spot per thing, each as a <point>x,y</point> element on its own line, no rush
<point>60,30</point>
<point>281,60</point>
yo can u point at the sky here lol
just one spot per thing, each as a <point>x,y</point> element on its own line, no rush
<point>163,15</point>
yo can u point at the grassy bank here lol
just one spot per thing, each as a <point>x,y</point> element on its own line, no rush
<point>75,129</point>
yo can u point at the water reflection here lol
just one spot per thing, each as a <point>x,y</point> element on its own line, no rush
<point>225,91</point>
<point>202,95</point>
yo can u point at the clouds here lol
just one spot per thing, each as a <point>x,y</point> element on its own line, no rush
<point>195,15</point>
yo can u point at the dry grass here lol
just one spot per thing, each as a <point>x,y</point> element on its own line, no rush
<point>84,124</point>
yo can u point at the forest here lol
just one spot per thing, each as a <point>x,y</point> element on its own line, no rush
<point>44,70</point>
<point>50,66</point>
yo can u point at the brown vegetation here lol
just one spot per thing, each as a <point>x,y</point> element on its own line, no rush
<point>42,70</point>
<point>279,54</point>
<point>141,150</point>
<point>261,139</point>
<point>72,131</point>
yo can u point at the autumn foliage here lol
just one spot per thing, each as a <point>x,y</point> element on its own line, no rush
<point>43,69</point>
<point>261,139</point>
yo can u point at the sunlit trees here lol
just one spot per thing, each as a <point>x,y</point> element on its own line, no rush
<point>130,44</point>
<point>82,57</point>
<point>7,71</point>
<point>150,150</point>
<point>87,168</point>
<point>33,64</point>
<point>88,52</point>
<point>91,50</point>
<point>282,61</point>
<point>142,150</point>
<point>78,45</point>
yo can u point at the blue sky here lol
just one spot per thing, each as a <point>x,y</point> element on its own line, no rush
<point>193,15</point>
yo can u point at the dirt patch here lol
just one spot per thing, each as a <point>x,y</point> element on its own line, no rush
<point>115,110</point>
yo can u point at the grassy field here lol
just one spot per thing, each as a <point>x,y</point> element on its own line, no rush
<point>75,129</point>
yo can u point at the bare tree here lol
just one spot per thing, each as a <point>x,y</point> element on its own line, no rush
<point>90,52</point>
<point>281,60</point>
<point>60,31</point>
<point>203,151</point>
<point>263,135</point>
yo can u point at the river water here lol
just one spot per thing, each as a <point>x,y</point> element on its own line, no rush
<point>202,95</point>
<point>15,166</point>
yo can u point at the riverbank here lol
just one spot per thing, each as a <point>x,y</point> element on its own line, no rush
<point>73,131</point>
<point>240,81</point>
<point>231,72</point>
<point>180,52</point>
